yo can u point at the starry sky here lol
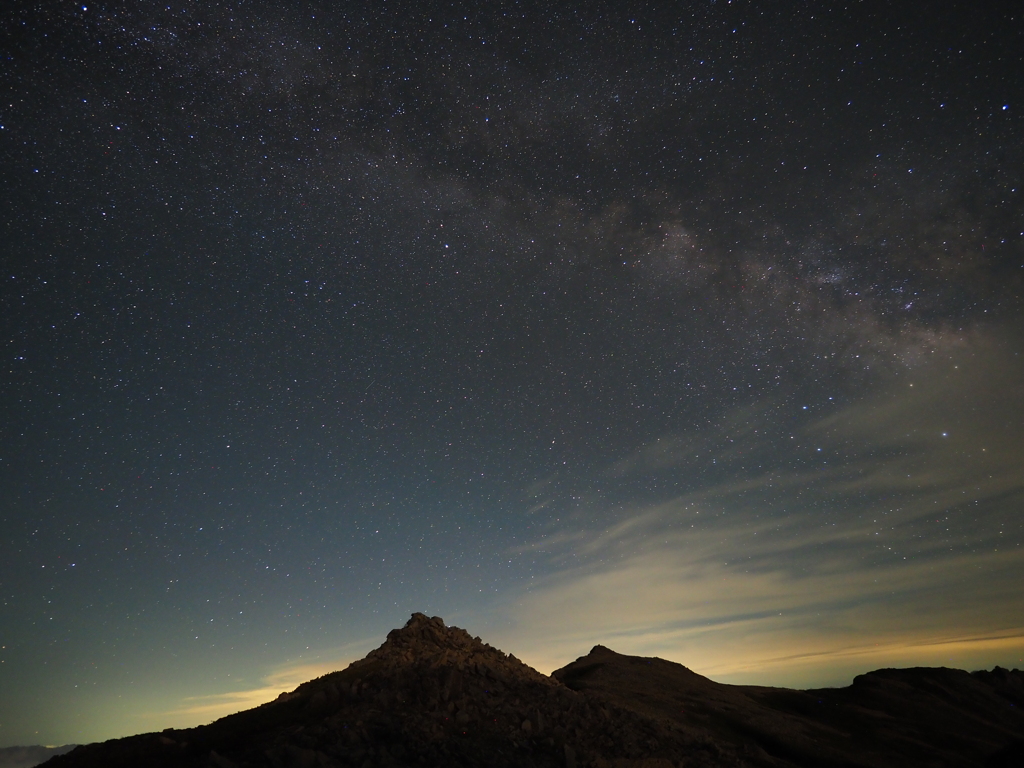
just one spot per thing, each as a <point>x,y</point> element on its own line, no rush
<point>691,329</point>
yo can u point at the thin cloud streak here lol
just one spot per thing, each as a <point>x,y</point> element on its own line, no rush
<point>197,710</point>
<point>890,550</point>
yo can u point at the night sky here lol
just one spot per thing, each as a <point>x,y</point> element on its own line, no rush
<point>691,329</point>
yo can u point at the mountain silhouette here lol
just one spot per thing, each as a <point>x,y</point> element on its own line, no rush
<point>432,695</point>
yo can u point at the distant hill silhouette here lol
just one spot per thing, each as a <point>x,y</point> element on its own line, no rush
<point>432,695</point>
<point>27,757</point>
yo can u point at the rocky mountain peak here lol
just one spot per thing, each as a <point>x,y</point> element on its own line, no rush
<point>426,637</point>
<point>431,696</point>
<point>426,643</point>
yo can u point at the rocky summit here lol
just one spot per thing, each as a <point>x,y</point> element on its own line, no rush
<point>432,695</point>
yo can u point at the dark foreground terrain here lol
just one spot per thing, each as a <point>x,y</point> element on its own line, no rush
<point>432,695</point>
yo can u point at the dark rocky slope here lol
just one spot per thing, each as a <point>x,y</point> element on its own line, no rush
<point>432,695</point>
<point>890,717</point>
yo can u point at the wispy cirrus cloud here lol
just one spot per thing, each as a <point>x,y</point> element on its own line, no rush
<point>893,538</point>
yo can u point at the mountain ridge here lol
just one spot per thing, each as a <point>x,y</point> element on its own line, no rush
<point>432,695</point>
<point>29,755</point>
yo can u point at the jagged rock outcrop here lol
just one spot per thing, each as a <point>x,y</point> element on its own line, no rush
<point>431,695</point>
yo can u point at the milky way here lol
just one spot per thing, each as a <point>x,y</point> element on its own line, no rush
<point>695,333</point>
